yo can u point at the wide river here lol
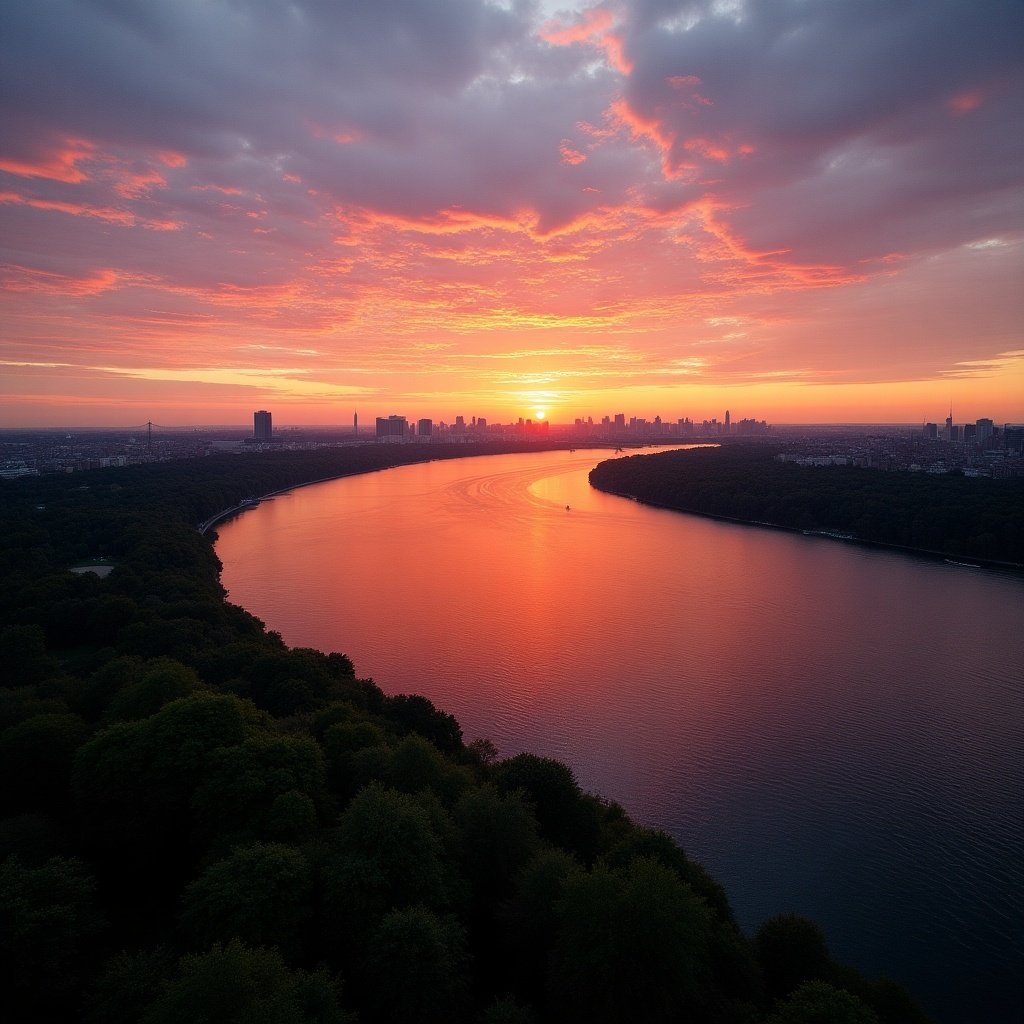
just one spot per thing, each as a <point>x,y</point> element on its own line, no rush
<point>831,730</point>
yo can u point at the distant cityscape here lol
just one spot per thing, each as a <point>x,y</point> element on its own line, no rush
<point>982,448</point>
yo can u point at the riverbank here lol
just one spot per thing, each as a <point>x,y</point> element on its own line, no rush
<point>978,563</point>
<point>976,523</point>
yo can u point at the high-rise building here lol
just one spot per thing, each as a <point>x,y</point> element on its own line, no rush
<point>391,428</point>
<point>355,423</point>
<point>984,430</point>
<point>262,425</point>
<point>425,428</point>
<point>727,421</point>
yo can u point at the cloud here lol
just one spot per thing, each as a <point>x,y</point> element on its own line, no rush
<point>254,179</point>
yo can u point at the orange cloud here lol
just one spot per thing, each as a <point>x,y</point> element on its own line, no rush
<point>14,278</point>
<point>106,213</point>
<point>135,184</point>
<point>596,29</point>
<point>569,155</point>
<point>640,127</point>
<point>59,165</point>
<point>110,214</point>
<point>708,149</point>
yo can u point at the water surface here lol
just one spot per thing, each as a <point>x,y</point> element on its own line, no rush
<point>830,729</point>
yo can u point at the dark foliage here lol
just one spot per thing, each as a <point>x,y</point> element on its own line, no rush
<point>951,515</point>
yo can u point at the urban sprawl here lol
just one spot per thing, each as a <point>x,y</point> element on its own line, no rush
<point>981,448</point>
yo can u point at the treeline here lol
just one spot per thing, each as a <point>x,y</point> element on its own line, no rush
<point>198,823</point>
<point>952,515</point>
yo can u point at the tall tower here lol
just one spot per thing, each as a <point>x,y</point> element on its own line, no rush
<point>262,425</point>
<point>355,423</point>
<point>727,421</point>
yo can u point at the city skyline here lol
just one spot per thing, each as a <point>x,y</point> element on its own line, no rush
<point>814,210</point>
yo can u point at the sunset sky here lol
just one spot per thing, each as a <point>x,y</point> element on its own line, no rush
<point>800,210</point>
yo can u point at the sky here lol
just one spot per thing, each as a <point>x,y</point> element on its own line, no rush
<point>798,210</point>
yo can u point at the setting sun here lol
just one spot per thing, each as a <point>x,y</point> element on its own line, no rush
<point>541,414</point>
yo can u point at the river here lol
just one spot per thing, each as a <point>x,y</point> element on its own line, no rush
<point>831,730</point>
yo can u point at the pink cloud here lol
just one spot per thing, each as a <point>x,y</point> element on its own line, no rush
<point>595,28</point>
<point>571,156</point>
<point>56,163</point>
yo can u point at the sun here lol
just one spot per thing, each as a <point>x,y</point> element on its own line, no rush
<point>540,413</point>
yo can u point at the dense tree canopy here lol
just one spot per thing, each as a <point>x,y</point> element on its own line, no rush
<point>948,514</point>
<point>200,823</point>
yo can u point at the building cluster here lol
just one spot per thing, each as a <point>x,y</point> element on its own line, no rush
<point>399,428</point>
<point>32,452</point>
<point>982,448</point>
<point>610,428</point>
<point>618,426</point>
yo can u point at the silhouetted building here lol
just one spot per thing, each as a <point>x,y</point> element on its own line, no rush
<point>391,428</point>
<point>262,425</point>
<point>1013,437</point>
<point>425,428</point>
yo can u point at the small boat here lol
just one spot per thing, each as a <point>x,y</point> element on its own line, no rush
<point>566,508</point>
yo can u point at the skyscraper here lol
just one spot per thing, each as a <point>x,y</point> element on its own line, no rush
<point>391,428</point>
<point>727,421</point>
<point>262,425</point>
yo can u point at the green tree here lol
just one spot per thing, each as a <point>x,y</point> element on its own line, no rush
<point>413,713</point>
<point>261,894</point>
<point>791,950</point>
<point>631,946</point>
<point>49,923</point>
<point>565,816</point>
<point>817,1002</point>
<point>498,837</point>
<point>129,983</point>
<point>416,764</point>
<point>233,984</point>
<point>160,682</point>
<point>529,920</point>
<point>416,969</point>
<point>384,854</point>
<point>234,798</point>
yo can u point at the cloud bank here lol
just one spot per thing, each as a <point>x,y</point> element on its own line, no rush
<point>454,201</point>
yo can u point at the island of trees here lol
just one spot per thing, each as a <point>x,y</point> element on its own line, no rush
<point>961,518</point>
<point>199,823</point>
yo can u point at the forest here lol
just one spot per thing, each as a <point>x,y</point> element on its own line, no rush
<point>199,823</point>
<point>957,517</point>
